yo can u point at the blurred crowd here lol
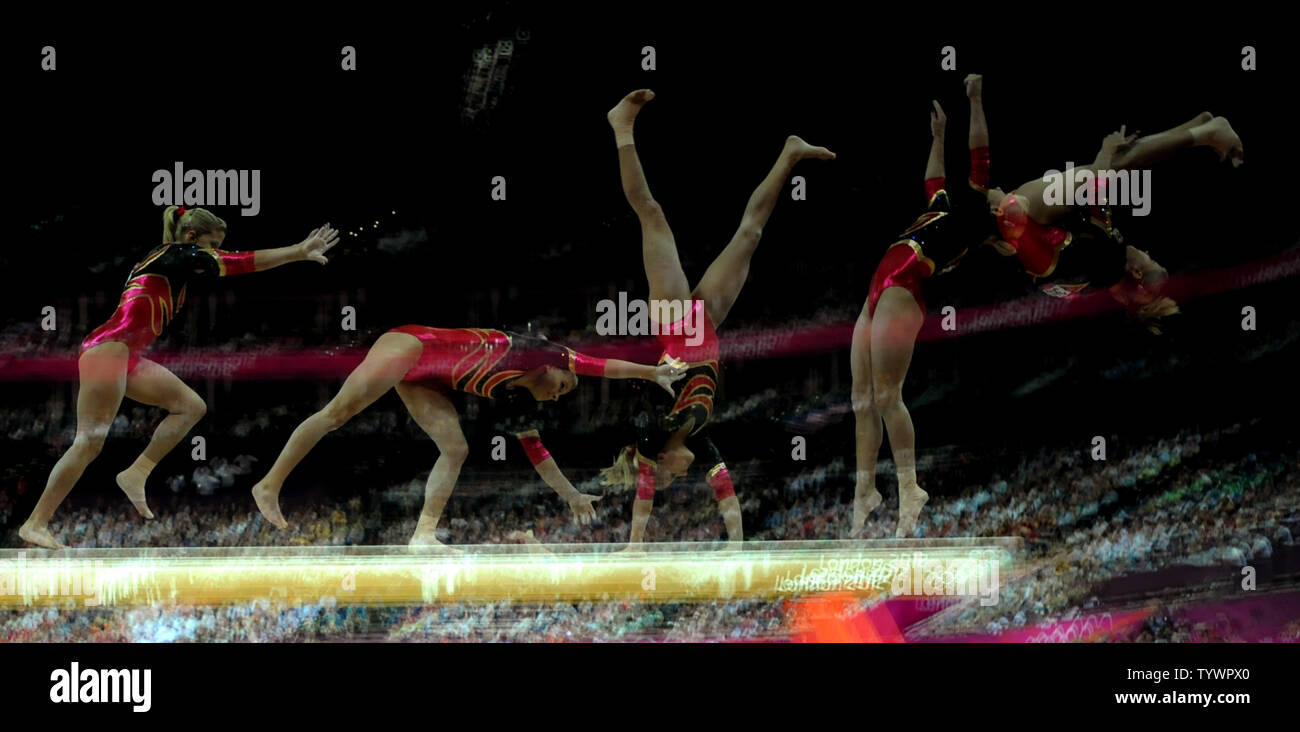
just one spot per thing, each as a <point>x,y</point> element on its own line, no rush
<point>267,621</point>
<point>1190,499</point>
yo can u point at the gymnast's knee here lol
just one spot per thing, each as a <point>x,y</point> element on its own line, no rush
<point>192,406</point>
<point>888,399</point>
<point>864,402</point>
<point>91,441</point>
<point>648,210</point>
<point>749,232</point>
<point>337,414</point>
<point>456,451</point>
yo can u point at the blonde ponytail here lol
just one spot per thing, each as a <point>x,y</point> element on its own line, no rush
<point>623,473</point>
<point>178,220</point>
<point>169,224</point>
<point>1153,313</point>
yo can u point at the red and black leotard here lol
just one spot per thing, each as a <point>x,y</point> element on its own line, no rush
<point>1058,269</point>
<point>486,362</point>
<point>696,392</point>
<point>1037,246</point>
<point>938,239</point>
<point>155,291</point>
<point>693,406</point>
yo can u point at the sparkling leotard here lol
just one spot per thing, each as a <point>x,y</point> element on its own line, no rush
<point>936,241</point>
<point>155,292</point>
<point>482,361</point>
<point>485,362</point>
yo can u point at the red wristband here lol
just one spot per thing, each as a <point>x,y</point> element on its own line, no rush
<point>645,479</point>
<point>532,442</point>
<point>584,365</point>
<point>720,480</point>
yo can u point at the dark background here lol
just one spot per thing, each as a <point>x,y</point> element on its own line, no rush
<point>407,134</point>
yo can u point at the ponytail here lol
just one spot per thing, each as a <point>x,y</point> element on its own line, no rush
<point>1153,313</point>
<point>177,220</point>
<point>623,473</point>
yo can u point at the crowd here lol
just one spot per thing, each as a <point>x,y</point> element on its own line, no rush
<point>1187,499</point>
<point>268,621</point>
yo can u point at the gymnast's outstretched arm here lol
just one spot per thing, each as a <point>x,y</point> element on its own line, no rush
<point>312,249</point>
<point>665,374</point>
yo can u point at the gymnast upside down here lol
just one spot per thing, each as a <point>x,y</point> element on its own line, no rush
<point>423,364</point>
<point>664,449</point>
<point>111,366</point>
<point>1064,259</point>
<point>1065,250</point>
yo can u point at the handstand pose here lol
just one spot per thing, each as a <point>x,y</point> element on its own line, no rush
<point>664,448</point>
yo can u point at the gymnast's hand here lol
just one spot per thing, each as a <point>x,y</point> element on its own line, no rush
<point>318,242</point>
<point>1116,143</point>
<point>669,372</point>
<point>938,120</point>
<point>974,85</point>
<point>583,512</point>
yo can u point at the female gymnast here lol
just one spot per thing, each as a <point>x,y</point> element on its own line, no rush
<point>423,364</point>
<point>1032,228</point>
<point>663,452</point>
<point>882,354</point>
<point>886,330</point>
<point>111,365</point>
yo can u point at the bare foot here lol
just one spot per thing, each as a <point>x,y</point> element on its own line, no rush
<point>862,509</point>
<point>426,540</point>
<point>631,549</point>
<point>798,150</point>
<point>1218,134</point>
<point>532,545</point>
<point>623,115</point>
<point>132,481</point>
<point>1196,121</point>
<point>40,536</point>
<point>910,502</point>
<point>268,502</point>
<point>731,547</point>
